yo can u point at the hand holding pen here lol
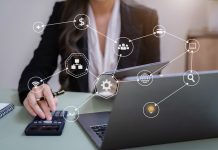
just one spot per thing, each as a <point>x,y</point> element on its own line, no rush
<point>54,94</point>
<point>41,103</point>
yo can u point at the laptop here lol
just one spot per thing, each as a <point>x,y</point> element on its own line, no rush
<point>189,114</point>
<point>154,68</point>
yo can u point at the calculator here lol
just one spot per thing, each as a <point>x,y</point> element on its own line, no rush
<point>43,127</point>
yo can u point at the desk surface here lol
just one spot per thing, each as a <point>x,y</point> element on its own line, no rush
<point>12,128</point>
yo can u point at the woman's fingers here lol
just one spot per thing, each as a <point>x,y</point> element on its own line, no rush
<point>34,105</point>
<point>37,92</point>
<point>28,108</point>
<point>56,101</point>
<point>45,108</point>
<point>41,108</point>
<point>49,97</point>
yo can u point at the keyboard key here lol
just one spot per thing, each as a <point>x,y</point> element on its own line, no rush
<point>99,130</point>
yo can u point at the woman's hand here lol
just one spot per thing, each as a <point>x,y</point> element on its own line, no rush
<point>41,108</point>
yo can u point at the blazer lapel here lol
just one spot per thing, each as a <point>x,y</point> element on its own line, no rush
<point>83,48</point>
<point>129,30</point>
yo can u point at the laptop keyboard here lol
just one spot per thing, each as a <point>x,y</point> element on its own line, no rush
<point>100,130</point>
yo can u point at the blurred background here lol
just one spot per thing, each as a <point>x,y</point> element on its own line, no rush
<point>186,19</point>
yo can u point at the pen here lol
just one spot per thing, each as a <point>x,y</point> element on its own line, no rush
<point>53,93</point>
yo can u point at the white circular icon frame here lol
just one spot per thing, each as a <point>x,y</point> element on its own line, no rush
<point>156,105</point>
<point>149,74</point>
<point>75,110</point>
<point>75,20</point>
<point>117,43</point>
<point>40,88</point>
<point>190,73</point>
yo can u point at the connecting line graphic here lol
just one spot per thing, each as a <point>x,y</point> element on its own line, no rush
<point>141,37</point>
<point>117,63</point>
<point>101,33</point>
<point>158,33</point>
<point>92,73</point>
<point>86,101</point>
<point>171,94</point>
<point>171,61</point>
<point>176,37</point>
<point>191,61</point>
<point>53,75</point>
<point>124,81</point>
<point>58,23</point>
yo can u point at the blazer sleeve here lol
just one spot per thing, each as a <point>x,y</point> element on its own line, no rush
<point>44,61</point>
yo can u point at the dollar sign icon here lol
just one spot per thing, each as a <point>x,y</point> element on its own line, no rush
<point>82,23</point>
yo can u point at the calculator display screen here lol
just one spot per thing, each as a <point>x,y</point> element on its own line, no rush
<point>44,128</point>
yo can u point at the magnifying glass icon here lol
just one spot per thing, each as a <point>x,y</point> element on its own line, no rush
<point>191,77</point>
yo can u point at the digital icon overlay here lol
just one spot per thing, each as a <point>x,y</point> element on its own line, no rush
<point>38,27</point>
<point>151,110</point>
<point>35,84</point>
<point>72,115</point>
<point>81,22</point>
<point>159,31</point>
<point>106,86</point>
<point>191,78</point>
<point>192,46</point>
<point>123,47</point>
<point>77,65</point>
<point>144,78</point>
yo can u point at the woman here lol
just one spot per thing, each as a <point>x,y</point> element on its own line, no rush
<point>110,17</point>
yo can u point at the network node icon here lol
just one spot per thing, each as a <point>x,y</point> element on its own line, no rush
<point>192,45</point>
<point>38,27</point>
<point>81,22</point>
<point>144,78</point>
<point>123,47</point>
<point>77,65</point>
<point>72,115</point>
<point>159,31</point>
<point>106,86</point>
<point>151,110</point>
<point>35,84</point>
<point>191,78</point>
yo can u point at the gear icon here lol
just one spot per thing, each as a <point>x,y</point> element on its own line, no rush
<point>106,85</point>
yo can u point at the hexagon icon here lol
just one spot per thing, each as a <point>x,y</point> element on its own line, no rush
<point>77,65</point>
<point>106,86</point>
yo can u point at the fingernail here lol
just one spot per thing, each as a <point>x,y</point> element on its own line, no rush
<point>54,108</point>
<point>43,117</point>
<point>49,117</point>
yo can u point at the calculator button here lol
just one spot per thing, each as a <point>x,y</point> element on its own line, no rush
<point>47,122</point>
<point>61,114</point>
<point>55,122</point>
<point>56,113</point>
